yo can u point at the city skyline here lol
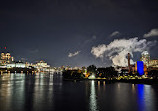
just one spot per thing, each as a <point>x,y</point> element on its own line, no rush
<point>72,32</point>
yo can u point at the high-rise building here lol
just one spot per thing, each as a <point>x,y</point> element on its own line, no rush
<point>145,58</point>
<point>6,58</point>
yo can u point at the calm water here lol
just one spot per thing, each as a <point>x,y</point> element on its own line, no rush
<point>20,92</point>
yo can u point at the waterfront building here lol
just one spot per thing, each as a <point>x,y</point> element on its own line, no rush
<point>145,58</point>
<point>153,63</point>
<point>42,64</point>
<point>148,61</point>
<point>140,67</point>
<point>6,58</point>
<point>16,65</point>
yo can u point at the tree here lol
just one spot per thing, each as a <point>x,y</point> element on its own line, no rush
<point>92,69</point>
<point>72,74</point>
<point>107,72</point>
<point>154,74</point>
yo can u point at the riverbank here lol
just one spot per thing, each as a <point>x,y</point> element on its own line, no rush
<point>132,81</point>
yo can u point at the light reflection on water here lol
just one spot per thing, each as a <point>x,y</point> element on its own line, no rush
<point>40,92</point>
<point>146,101</point>
<point>93,101</point>
<point>141,101</point>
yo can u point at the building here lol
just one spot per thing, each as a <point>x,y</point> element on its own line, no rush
<point>42,64</point>
<point>145,58</point>
<point>153,63</point>
<point>6,58</point>
<point>17,65</point>
<point>144,66</point>
<point>147,61</point>
<point>141,68</point>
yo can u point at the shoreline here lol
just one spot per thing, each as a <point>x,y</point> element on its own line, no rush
<point>132,81</point>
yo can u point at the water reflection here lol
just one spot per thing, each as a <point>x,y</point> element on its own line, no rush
<point>141,102</point>
<point>133,88</point>
<point>12,88</point>
<point>146,100</point>
<point>93,101</point>
<point>5,91</point>
<point>43,92</point>
<point>24,92</point>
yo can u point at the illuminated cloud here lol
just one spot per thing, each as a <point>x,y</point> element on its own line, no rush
<point>118,49</point>
<point>99,50</point>
<point>152,33</point>
<point>116,33</point>
<point>74,54</point>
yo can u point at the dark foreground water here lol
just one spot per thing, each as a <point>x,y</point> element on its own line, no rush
<point>20,92</point>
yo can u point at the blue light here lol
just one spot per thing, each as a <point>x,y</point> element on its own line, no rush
<point>140,67</point>
<point>141,96</point>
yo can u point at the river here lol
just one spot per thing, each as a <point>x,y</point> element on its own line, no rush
<point>48,92</point>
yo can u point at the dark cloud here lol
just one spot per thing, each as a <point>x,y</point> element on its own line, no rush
<point>57,27</point>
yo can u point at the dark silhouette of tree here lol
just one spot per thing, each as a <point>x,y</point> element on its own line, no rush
<point>107,72</point>
<point>153,73</point>
<point>92,69</point>
<point>72,74</point>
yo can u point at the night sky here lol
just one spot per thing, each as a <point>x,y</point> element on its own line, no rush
<point>64,32</point>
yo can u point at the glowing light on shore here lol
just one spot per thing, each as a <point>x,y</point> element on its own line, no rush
<point>92,77</point>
